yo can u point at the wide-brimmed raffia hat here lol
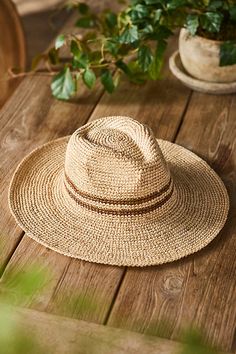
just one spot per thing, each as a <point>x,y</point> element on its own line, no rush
<point>112,193</point>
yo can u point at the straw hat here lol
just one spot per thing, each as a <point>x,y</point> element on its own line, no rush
<point>112,193</point>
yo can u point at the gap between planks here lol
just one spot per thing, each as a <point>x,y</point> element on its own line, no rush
<point>200,290</point>
<point>162,107</point>
<point>82,337</point>
<point>152,104</point>
<point>203,130</point>
<point>125,269</point>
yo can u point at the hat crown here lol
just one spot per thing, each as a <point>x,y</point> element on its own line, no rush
<point>115,157</point>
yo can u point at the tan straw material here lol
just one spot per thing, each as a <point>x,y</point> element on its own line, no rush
<point>112,193</point>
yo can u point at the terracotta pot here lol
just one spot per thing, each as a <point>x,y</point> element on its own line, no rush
<point>12,47</point>
<point>201,57</point>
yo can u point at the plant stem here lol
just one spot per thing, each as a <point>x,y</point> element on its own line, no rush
<point>30,73</point>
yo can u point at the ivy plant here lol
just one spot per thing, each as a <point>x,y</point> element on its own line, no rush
<point>216,20</point>
<point>133,41</point>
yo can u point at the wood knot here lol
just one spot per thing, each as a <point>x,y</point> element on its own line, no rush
<point>173,284</point>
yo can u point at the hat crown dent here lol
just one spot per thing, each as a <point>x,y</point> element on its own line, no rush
<point>116,157</point>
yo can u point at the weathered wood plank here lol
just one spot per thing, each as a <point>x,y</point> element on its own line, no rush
<point>39,31</point>
<point>200,290</point>
<point>65,335</point>
<point>161,106</point>
<point>76,286</point>
<point>212,283</point>
<point>86,291</point>
<point>162,109</point>
<point>30,118</point>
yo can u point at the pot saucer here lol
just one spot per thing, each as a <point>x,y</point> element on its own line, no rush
<point>214,88</point>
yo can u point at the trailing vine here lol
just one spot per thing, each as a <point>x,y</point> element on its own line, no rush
<point>133,41</point>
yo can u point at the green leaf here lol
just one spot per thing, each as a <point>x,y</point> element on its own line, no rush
<point>85,22</point>
<point>156,65</point>
<point>206,2</point>
<point>157,15</point>
<point>89,78</point>
<point>63,85</point>
<point>144,57</point>
<point>195,343</point>
<point>95,57</point>
<point>192,24</point>
<point>123,66</point>
<point>232,12</point>
<point>111,19</point>
<point>211,21</point>
<point>112,47</point>
<point>23,284</point>
<point>161,33</point>
<point>60,41</point>
<point>227,54</point>
<point>148,30</point>
<point>129,35</point>
<point>137,76</point>
<point>152,2</point>
<point>215,4</point>
<point>80,62</point>
<point>174,4</point>
<point>74,48</point>
<point>138,12</point>
<point>107,80</point>
<point>53,56</point>
<point>83,8</point>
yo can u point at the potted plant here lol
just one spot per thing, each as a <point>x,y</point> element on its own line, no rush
<point>133,41</point>
<point>207,43</point>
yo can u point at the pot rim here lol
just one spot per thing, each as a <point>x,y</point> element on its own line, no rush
<point>203,38</point>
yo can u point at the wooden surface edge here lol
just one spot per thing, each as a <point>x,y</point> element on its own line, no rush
<point>66,335</point>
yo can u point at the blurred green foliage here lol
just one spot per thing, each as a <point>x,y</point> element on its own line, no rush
<point>17,287</point>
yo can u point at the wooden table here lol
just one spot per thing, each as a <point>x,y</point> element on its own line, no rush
<point>159,301</point>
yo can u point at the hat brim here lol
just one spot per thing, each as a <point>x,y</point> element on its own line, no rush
<point>36,199</point>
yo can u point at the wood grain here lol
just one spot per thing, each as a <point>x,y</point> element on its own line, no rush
<point>40,29</point>
<point>162,110</point>
<point>212,283</point>
<point>63,335</point>
<point>12,47</point>
<point>30,118</point>
<point>85,291</point>
<point>148,104</point>
<point>198,291</point>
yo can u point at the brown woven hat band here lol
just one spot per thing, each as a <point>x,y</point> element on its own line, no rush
<point>86,200</point>
<point>112,193</point>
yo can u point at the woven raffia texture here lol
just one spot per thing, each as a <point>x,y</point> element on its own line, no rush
<point>115,167</point>
<point>112,193</point>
